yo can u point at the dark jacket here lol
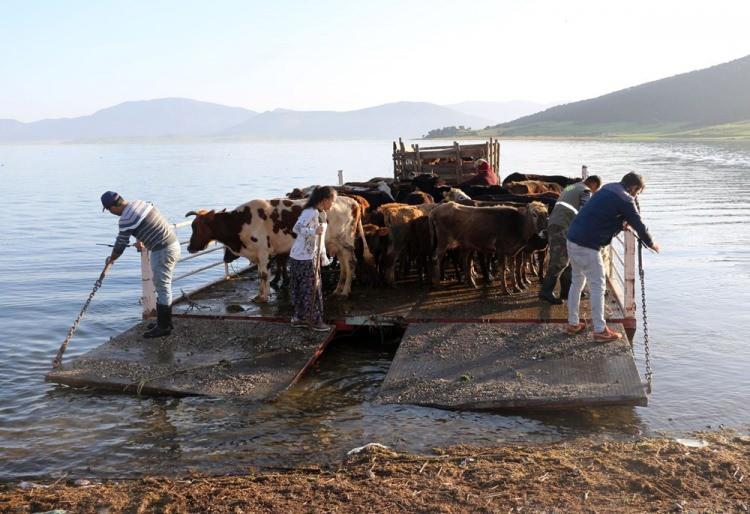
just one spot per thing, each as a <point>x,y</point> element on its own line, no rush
<point>602,217</point>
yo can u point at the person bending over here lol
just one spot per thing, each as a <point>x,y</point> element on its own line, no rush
<point>603,217</point>
<point>144,222</point>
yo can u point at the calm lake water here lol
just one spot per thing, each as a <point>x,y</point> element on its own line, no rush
<point>697,205</point>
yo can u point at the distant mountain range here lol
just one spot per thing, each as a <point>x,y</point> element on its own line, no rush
<point>143,119</point>
<point>185,118</point>
<point>409,119</point>
<point>712,102</point>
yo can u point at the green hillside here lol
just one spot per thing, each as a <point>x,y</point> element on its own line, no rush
<point>709,103</point>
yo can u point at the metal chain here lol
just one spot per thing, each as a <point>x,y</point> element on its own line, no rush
<point>58,360</point>
<point>646,349</point>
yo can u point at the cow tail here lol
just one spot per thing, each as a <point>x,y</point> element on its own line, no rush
<point>367,255</point>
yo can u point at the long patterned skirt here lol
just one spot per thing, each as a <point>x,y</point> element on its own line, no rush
<point>306,298</point>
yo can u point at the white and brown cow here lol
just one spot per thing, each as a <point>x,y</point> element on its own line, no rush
<point>260,229</point>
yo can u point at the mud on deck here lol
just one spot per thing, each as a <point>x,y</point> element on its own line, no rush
<point>411,301</point>
<point>255,360</point>
<point>464,348</point>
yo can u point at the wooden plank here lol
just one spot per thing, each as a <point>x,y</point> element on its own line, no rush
<point>250,359</point>
<point>495,366</point>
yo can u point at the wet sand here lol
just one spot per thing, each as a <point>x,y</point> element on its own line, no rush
<point>581,475</point>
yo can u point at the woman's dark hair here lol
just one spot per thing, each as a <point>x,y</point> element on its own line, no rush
<point>319,194</point>
<point>632,179</point>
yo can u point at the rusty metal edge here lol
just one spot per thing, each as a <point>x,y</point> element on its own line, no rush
<point>117,388</point>
<point>390,321</point>
<point>641,401</point>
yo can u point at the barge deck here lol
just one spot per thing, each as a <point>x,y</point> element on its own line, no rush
<point>463,348</point>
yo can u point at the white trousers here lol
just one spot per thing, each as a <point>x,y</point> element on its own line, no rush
<point>586,265</point>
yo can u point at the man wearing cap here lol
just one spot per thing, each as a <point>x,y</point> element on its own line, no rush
<point>572,199</point>
<point>152,231</point>
<point>603,217</point>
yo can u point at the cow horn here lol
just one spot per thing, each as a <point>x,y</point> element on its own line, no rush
<point>191,213</point>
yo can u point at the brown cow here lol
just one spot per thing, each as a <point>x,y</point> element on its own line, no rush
<point>500,230</point>
<point>532,187</point>
<point>418,198</point>
<point>557,179</point>
<point>399,218</point>
<point>260,229</point>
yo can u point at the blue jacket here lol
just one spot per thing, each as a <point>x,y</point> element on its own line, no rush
<point>602,217</point>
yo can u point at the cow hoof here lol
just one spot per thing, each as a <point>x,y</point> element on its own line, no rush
<point>260,299</point>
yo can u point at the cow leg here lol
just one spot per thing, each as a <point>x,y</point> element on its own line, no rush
<point>345,254</point>
<point>483,259</point>
<point>277,273</point>
<point>455,259</point>
<point>439,258</point>
<point>468,262</point>
<point>391,260</point>
<point>504,268</point>
<point>542,258</point>
<point>534,261</point>
<point>516,273</point>
<point>525,263</point>
<point>281,261</point>
<point>263,289</point>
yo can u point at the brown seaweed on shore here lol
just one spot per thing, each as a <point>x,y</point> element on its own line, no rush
<point>582,475</point>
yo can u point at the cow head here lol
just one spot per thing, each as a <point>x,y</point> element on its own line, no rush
<point>203,232</point>
<point>536,218</point>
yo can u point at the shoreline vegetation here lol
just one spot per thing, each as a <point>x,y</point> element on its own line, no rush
<point>709,473</point>
<point>606,132</point>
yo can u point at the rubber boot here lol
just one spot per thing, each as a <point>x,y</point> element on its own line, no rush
<point>547,292</point>
<point>163,322</point>
<point>156,323</point>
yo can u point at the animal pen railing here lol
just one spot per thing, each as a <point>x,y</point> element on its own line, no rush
<point>148,298</point>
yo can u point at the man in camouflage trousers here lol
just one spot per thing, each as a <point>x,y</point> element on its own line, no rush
<point>570,202</point>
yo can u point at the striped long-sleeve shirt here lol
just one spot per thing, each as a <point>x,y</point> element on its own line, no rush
<point>143,220</point>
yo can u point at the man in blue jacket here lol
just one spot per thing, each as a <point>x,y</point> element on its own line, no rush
<point>602,218</point>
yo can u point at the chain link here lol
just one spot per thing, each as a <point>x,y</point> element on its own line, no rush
<point>58,360</point>
<point>646,348</point>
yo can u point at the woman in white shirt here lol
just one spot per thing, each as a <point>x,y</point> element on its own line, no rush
<point>308,254</point>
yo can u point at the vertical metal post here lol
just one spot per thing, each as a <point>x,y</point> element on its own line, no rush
<point>148,299</point>
<point>584,172</point>
<point>629,274</point>
<point>341,177</point>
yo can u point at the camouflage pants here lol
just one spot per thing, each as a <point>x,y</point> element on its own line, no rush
<point>558,251</point>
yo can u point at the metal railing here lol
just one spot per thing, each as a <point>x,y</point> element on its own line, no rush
<point>621,272</point>
<point>148,298</point>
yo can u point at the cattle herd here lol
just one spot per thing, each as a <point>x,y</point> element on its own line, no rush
<point>382,228</point>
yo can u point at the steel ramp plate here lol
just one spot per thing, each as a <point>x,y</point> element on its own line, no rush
<point>510,365</point>
<point>240,358</point>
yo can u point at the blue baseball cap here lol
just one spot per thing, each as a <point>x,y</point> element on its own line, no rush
<point>109,199</point>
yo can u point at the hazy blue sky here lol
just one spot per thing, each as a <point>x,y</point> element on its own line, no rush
<point>69,58</point>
